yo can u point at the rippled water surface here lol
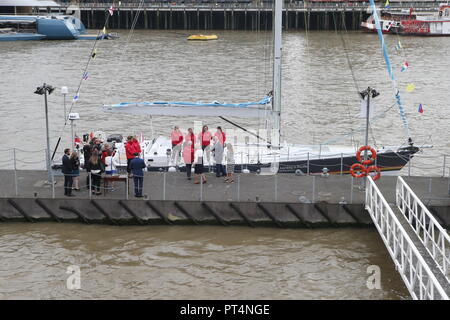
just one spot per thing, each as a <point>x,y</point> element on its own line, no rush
<point>193,263</point>
<point>319,105</point>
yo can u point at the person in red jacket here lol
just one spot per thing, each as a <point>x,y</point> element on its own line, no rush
<point>221,136</point>
<point>188,151</point>
<point>205,138</point>
<point>136,145</point>
<point>177,140</point>
<point>129,148</point>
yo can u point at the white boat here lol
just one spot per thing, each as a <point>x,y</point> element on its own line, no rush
<point>259,155</point>
<point>263,155</point>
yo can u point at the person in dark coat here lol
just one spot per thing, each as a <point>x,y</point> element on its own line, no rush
<point>96,168</point>
<point>137,165</point>
<point>87,151</point>
<point>67,171</point>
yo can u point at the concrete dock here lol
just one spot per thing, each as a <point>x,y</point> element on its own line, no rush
<point>283,200</point>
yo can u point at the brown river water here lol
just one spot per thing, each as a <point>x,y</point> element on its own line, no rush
<point>319,104</point>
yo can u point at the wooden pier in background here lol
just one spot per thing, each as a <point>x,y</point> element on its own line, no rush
<point>234,16</point>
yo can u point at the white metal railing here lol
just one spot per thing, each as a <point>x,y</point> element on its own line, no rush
<point>434,237</point>
<point>416,274</point>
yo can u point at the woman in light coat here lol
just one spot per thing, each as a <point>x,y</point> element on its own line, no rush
<point>218,157</point>
<point>230,163</point>
<point>198,165</point>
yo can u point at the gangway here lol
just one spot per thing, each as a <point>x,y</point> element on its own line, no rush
<point>433,236</point>
<point>417,267</point>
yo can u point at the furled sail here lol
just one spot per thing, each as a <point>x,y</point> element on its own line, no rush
<point>178,108</point>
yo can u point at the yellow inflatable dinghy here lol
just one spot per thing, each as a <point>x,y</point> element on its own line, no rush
<point>202,37</point>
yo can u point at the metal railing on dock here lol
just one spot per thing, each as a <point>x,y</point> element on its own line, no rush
<point>420,281</point>
<point>434,237</point>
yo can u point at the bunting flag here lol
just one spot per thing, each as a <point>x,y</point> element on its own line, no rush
<point>85,76</point>
<point>111,10</point>
<point>104,30</point>
<point>420,108</point>
<point>384,50</point>
<point>94,54</point>
<point>398,46</point>
<point>410,87</point>
<point>405,66</point>
<point>75,98</point>
<point>77,140</point>
<point>386,5</point>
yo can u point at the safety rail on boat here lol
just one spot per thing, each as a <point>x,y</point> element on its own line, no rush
<point>434,237</point>
<point>416,274</point>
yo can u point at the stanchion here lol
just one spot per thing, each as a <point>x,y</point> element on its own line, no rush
<point>201,188</point>
<point>443,167</point>
<point>164,186</point>
<point>307,165</point>
<point>53,185</point>
<point>448,187</point>
<point>238,187</point>
<point>314,190</point>
<point>351,189</point>
<point>90,185</point>
<point>409,165</point>
<point>15,174</point>
<point>342,162</point>
<point>127,187</point>
<point>276,187</point>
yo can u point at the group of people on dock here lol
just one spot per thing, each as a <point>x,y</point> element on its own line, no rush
<point>194,150</point>
<point>100,158</point>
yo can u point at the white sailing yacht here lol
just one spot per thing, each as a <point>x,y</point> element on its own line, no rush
<point>266,155</point>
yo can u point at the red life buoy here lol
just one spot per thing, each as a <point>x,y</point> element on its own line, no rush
<point>372,156</point>
<point>377,170</point>
<point>358,167</point>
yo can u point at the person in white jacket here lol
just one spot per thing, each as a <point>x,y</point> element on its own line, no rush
<point>111,166</point>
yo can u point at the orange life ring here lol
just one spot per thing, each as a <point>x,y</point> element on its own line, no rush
<point>372,156</point>
<point>378,171</point>
<point>358,167</point>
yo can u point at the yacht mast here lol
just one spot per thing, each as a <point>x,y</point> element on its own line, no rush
<point>276,100</point>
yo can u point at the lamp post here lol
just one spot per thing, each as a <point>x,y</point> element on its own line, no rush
<point>44,90</point>
<point>72,118</point>
<point>64,92</point>
<point>369,92</point>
